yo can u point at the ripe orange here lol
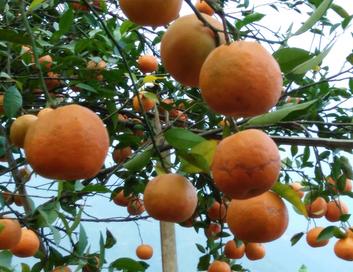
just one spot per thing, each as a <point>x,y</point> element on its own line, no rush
<point>217,211</point>
<point>317,208</point>
<point>255,251</point>
<point>19,200</point>
<point>297,187</point>
<point>151,12</point>
<point>212,231</point>
<point>312,235</point>
<point>241,79</point>
<point>135,206</point>
<point>344,248</point>
<point>144,252</point>
<point>121,200</point>
<point>68,143</point>
<point>1,104</point>
<point>231,250</point>
<point>44,111</point>
<point>46,61</point>
<point>335,209</point>
<point>185,46</point>
<point>147,63</point>
<point>259,219</point>
<point>121,154</point>
<point>219,266</point>
<point>170,197</point>
<point>62,269</point>
<point>148,104</point>
<point>10,233</point>
<point>246,164</point>
<point>203,7</point>
<point>92,65</point>
<point>347,188</point>
<point>28,244</point>
<point>20,127</point>
<point>52,81</point>
<point>8,198</point>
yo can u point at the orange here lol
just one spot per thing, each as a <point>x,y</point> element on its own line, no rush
<point>135,206</point>
<point>259,219</point>
<point>78,6</point>
<point>147,63</point>
<point>121,200</point>
<point>44,111</point>
<point>254,251</point>
<point>121,154</point>
<point>246,164</point>
<point>203,7</point>
<point>219,266</point>
<point>231,250</point>
<point>68,143</point>
<point>241,79</point>
<point>10,233</point>
<point>151,12</point>
<point>344,248</point>
<point>19,200</point>
<point>52,81</point>
<point>46,61</point>
<point>1,104</point>
<point>347,187</point>
<point>212,231</point>
<point>92,65</point>
<point>186,45</point>
<point>19,128</point>
<point>297,187</point>
<point>147,103</point>
<point>217,211</point>
<point>170,197</point>
<point>317,208</point>
<point>144,252</point>
<point>7,197</point>
<point>312,235</point>
<point>28,244</point>
<point>335,209</point>
<point>62,269</point>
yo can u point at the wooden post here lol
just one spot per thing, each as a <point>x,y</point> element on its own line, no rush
<point>168,247</point>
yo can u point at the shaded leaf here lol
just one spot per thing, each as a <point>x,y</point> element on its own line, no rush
<point>329,232</point>
<point>11,36</point>
<point>12,102</point>
<point>296,237</point>
<point>127,264</point>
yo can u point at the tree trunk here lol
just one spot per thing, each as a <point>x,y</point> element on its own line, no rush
<point>168,246</point>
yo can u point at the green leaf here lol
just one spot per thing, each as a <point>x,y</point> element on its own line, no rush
<point>151,96</point>
<point>12,102</point>
<point>278,115</point>
<point>151,79</point>
<point>346,21</point>
<point>56,235</point>
<point>201,248</point>
<point>110,241</point>
<point>303,268</point>
<point>127,264</point>
<point>329,232</point>
<point>11,36</point>
<point>204,262</point>
<point>140,160</point>
<point>182,139</point>
<point>254,17</point>
<point>287,192</point>
<point>5,258</point>
<point>315,17</point>
<point>65,22</point>
<point>83,241</point>
<point>86,87</point>
<point>346,167</point>
<point>340,11</point>
<point>99,188</point>
<point>289,58</point>
<point>2,146</point>
<point>25,268</point>
<point>296,237</point>
<point>35,4</point>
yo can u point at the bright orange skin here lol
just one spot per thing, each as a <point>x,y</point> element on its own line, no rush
<point>203,7</point>
<point>347,188</point>
<point>144,252</point>
<point>121,200</point>
<point>28,244</point>
<point>44,111</point>
<point>213,230</point>
<point>335,209</point>
<point>10,233</point>
<point>255,251</point>
<point>135,206</point>
<point>260,219</point>
<point>148,104</point>
<point>219,266</point>
<point>20,127</point>
<point>170,197</point>
<point>231,250</point>
<point>296,186</point>
<point>317,208</point>
<point>68,143</point>
<point>217,211</point>
<point>46,60</point>
<point>121,154</point>
<point>344,248</point>
<point>147,63</point>
<point>246,164</point>
<point>151,12</point>
<point>62,269</point>
<point>241,79</point>
<point>311,237</point>
<point>184,52</point>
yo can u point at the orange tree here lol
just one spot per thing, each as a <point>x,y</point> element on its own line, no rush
<point>163,114</point>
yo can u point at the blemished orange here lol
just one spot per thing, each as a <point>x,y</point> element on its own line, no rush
<point>203,7</point>
<point>312,235</point>
<point>317,208</point>
<point>46,61</point>
<point>147,63</point>
<point>68,143</point>
<point>335,209</point>
<point>121,154</point>
<point>144,252</point>
<point>121,200</point>
<point>246,164</point>
<point>147,103</point>
<point>217,211</point>
<point>231,250</point>
<point>255,251</point>
<point>170,197</point>
<point>62,269</point>
<point>28,244</point>
<point>53,81</point>
<point>259,219</point>
<point>344,248</point>
<point>241,79</point>
<point>297,187</point>
<point>10,233</point>
<point>151,12</point>
<point>135,206</point>
<point>333,185</point>
<point>219,266</point>
<point>19,128</point>
<point>185,46</point>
